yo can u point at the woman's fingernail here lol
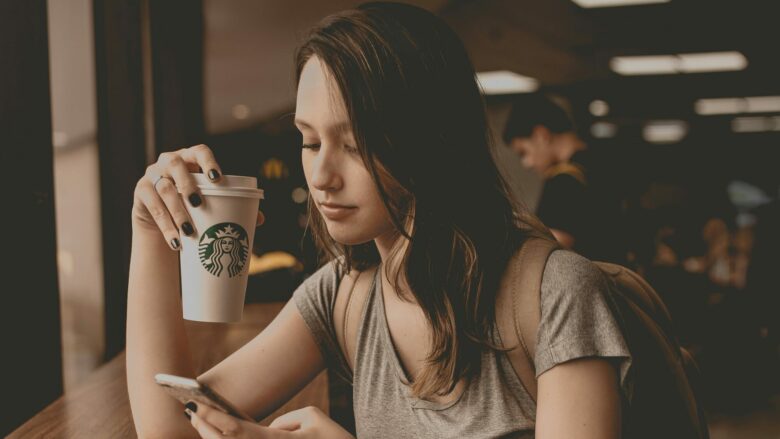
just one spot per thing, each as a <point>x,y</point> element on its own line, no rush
<point>187,415</point>
<point>213,174</point>
<point>175,243</point>
<point>192,406</point>
<point>187,228</point>
<point>195,200</point>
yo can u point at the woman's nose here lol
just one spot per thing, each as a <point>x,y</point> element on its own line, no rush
<point>325,170</point>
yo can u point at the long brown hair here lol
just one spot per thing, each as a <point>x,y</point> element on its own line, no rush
<point>419,122</point>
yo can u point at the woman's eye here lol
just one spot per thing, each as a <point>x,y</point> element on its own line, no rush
<point>351,149</point>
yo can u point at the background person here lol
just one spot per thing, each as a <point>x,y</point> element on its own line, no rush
<point>576,202</point>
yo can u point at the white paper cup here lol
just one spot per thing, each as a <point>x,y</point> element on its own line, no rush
<point>215,259</point>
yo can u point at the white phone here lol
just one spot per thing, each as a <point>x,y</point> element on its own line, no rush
<point>188,389</point>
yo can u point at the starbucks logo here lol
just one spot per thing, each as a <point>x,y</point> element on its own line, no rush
<point>224,246</point>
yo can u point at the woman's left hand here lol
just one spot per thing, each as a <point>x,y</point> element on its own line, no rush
<point>309,422</point>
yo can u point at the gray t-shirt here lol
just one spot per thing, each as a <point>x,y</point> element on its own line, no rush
<point>577,321</point>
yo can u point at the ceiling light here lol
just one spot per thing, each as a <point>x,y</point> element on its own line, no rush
<point>763,104</point>
<point>750,124</point>
<point>644,65</point>
<point>610,3</point>
<point>683,63</point>
<point>598,108</point>
<point>712,62</point>
<point>665,131</point>
<point>505,82</point>
<point>755,124</point>
<point>719,106</point>
<point>754,104</point>
<point>603,130</point>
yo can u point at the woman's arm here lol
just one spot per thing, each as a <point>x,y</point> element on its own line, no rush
<point>579,398</point>
<point>257,378</point>
<point>269,370</point>
<point>156,340</point>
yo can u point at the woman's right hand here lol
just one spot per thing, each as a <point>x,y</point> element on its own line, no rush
<point>157,204</point>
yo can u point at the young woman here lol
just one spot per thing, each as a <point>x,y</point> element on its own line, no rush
<point>400,174</point>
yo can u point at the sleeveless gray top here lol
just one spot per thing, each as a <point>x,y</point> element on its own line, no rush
<point>578,320</point>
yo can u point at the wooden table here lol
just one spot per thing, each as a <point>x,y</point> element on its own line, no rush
<point>99,407</point>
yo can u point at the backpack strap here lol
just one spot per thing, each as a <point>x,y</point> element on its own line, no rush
<point>518,307</point>
<point>351,299</point>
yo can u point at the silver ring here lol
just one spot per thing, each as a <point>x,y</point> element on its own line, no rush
<point>154,185</point>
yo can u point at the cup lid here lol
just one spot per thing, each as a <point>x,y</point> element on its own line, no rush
<point>228,185</point>
<point>227,181</point>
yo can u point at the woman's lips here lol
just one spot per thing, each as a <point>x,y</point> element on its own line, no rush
<point>335,211</point>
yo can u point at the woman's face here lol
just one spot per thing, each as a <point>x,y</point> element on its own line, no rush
<point>338,181</point>
<point>227,245</point>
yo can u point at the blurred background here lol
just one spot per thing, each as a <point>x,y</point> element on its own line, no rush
<point>680,98</point>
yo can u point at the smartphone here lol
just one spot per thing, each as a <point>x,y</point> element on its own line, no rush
<point>188,389</point>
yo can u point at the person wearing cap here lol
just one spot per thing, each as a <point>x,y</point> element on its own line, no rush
<point>574,203</point>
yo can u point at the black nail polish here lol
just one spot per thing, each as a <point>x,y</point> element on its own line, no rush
<point>187,415</point>
<point>195,200</point>
<point>192,406</point>
<point>213,174</point>
<point>187,228</point>
<point>175,243</point>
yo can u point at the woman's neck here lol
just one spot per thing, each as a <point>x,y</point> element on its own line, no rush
<point>384,244</point>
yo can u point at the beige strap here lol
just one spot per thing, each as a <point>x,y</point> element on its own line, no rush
<point>343,296</point>
<point>351,300</point>
<point>518,308</point>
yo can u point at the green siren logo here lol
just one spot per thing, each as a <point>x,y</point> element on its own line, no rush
<point>224,245</point>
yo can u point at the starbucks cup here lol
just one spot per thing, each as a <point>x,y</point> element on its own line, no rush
<point>214,260</point>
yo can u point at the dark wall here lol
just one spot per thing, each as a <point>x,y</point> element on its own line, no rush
<point>29,296</point>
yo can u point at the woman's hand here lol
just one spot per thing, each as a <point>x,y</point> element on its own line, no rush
<point>157,204</point>
<point>309,422</point>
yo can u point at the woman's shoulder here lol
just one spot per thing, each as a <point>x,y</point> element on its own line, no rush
<point>325,279</point>
<point>574,293</point>
<point>578,316</point>
<point>319,289</point>
<point>567,270</point>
